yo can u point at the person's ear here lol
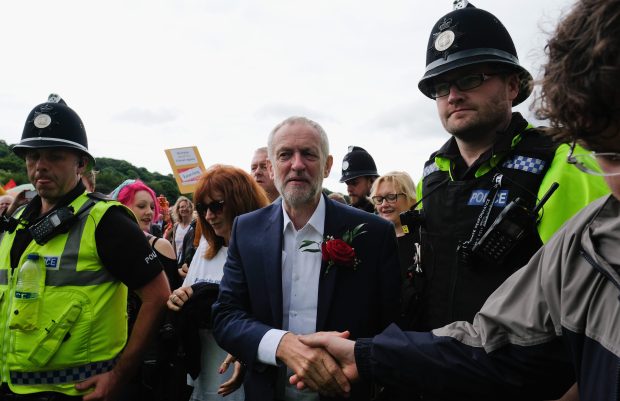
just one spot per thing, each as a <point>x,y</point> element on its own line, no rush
<point>328,166</point>
<point>513,86</point>
<point>82,163</point>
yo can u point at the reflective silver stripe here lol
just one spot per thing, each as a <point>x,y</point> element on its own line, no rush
<point>4,277</point>
<point>431,168</point>
<point>472,53</point>
<point>46,138</point>
<point>72,246</point>
<point>83,278</point>
<point>68,375</point>
<point>67,273</point>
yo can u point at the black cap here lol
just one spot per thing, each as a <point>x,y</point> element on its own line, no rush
<point>357,163</point>
<point>468,36</point>
<point>53,124</point>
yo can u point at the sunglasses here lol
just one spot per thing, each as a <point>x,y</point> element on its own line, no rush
<point>216,207</point>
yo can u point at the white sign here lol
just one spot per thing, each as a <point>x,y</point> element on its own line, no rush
<point>184,156</point>
<point>191,175</point>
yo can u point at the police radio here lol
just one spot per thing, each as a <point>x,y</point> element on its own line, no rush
<point>508,228</point>
<point>60,220</point>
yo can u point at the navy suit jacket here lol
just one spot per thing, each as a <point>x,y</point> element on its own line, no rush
<point>363,301</point>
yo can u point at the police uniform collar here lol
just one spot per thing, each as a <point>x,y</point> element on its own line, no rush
<point>450,149</point>
<point>31,213</point>
<point>517,125</point>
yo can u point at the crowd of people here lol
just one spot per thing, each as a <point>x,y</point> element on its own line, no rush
<point>495,277</point>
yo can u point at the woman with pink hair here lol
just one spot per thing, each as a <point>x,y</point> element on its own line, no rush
<point>150,383</point>
<point>141,199</point>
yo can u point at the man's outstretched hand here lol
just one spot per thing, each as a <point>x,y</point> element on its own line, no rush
<point>338,346</point>
<point>313,366</point>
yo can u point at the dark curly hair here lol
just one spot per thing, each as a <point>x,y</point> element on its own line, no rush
<point>580,89</point>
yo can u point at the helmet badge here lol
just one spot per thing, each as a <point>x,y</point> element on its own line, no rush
<point>42,120</point>
<point>345,165</point>
<point>444,40</point>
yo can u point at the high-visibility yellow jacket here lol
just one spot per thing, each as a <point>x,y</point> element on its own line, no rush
<point>77,326</point>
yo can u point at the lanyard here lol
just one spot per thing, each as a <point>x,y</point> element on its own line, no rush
<point>483,217</point>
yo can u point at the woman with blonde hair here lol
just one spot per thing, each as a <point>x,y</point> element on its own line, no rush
<point>393,194</point>
<point>182,233</point>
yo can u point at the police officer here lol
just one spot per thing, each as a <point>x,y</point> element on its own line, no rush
<point>359,172</point>
<point>493,157</point>
<point>67,341</point>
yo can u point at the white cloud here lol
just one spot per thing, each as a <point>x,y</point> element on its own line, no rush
<point>220,74</point>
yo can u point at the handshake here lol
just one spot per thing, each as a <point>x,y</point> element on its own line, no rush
<point>323,362</point>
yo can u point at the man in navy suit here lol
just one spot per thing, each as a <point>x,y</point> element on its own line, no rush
<point>275,288</point>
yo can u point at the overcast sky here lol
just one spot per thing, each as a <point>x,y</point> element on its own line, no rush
<point>220,74</point>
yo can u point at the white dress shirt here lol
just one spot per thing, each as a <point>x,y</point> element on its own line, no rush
<point>300,288</point>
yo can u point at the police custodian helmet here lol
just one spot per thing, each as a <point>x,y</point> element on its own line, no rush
<point>469,35</point>
<point>53,124</point>
<point>357,163</point>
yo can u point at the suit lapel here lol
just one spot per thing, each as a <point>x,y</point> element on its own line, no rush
<point>327,282</point>
<point>272,262</point>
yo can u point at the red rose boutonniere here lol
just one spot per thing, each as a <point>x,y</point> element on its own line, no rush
<point>336,251</point>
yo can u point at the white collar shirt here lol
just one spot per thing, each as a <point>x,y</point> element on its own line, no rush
<point>300,293</point>
<point>301,271</point>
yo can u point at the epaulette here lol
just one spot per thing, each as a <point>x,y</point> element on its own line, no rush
<point>98,196</point>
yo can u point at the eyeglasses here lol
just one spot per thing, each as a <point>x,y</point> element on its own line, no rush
<point>391,198</point>
<point>468,82</point>
<point>216,207</point>
<point>588,162</point>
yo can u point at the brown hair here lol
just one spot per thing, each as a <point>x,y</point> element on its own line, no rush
<point>241,194</point>
<point>581,83</point>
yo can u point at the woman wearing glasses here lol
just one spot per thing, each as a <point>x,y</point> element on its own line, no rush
<point>392,194</point>
<point>223,193</point>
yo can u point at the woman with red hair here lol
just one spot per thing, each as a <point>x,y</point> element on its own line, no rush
<point>223,193</point>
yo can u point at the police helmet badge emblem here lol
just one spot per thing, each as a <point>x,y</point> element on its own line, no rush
<point>345,165</point>
<point>444,40</point>
<point>42,121</point>
<point>445,37</point>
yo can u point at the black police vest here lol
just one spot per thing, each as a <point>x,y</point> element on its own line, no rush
<point>455,291</point>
